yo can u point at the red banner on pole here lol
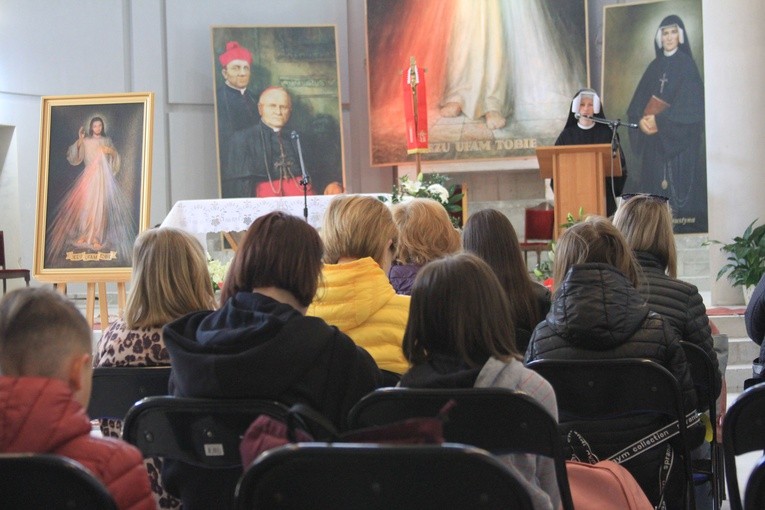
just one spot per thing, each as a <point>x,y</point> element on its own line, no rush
<point>415,109</point>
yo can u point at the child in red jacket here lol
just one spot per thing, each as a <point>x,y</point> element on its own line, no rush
<point>45,362</point>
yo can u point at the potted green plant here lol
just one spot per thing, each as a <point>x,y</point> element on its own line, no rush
<point>746,258</point>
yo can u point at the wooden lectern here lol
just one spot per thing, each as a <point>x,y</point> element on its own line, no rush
<point>579,172</point>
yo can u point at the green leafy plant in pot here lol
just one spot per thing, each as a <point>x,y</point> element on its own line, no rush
<point>746,257</point>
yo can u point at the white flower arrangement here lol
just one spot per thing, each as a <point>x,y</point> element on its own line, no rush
<point>217,271</point>
<point>429,186</point>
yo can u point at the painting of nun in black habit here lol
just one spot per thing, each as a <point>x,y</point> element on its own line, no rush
<point>668,106</point>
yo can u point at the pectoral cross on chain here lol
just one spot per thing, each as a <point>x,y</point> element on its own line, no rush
<point>283,164</point>
<point>663,81</point>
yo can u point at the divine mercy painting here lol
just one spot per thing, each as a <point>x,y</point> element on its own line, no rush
<point>500,74</point>
<point>93,196</point>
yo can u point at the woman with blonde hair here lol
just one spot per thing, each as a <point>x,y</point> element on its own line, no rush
<point>355,294</point>
<point>170,279</point>
<point>646,223</point>
<point>597,313</point>
<point>490,235</point>
<point>425,233</point>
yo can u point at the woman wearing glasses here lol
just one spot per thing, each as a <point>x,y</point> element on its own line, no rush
<point>646,222</point>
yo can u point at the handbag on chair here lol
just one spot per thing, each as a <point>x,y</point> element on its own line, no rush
<point>599,484</point>
<point>306,424</point>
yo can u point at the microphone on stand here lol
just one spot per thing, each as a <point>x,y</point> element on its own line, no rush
<point>305,180</point>
<point>612,123</point>
<point>295,136</point>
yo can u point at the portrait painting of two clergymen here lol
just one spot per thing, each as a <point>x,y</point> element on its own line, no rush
<point>277,110</point>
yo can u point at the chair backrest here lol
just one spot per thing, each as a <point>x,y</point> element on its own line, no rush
<point>497,420</point>
<point>539,224</point>
<point>614,388</point>
<point>201,432</point>
<point>743,432</point>
<point>754,495</point>
<point>318,475</point>
<point>33,481</point>
<point>116,389</point>
<point>703,374</point>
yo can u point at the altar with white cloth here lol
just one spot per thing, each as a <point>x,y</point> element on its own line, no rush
<point>222,215</point>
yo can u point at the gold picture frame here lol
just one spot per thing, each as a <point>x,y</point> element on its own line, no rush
<point>94,191</point>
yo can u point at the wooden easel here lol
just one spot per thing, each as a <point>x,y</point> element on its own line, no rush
<point>90,301</point>
<point>231,241</point>
<point>103,303</point>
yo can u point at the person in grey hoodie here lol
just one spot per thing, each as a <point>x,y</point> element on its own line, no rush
<point>460,335</point>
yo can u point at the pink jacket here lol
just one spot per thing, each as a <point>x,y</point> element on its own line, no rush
<point>40,415</point>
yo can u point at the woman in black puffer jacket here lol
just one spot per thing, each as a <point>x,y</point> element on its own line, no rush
<point>646,223</point>
<point>598,314</point>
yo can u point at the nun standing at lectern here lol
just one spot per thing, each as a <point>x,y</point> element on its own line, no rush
<point>585,131</point>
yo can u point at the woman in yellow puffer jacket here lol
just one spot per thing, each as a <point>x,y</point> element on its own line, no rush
<point>355,294</point>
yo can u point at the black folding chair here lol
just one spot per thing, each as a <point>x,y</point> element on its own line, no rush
<point>33,481</point>
<point>498,420</point>
<point>703,375</point>
<point>116,389</point>
<point>754,494</point>
<point>202,433</point>
<point>743,429</point>
<point>594,390</point>
<point>377,477</point>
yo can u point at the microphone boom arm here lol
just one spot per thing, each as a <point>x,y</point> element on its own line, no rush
<point>608,122</point>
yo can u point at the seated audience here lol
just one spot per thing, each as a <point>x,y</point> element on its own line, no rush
<point>260,344</point>
<point>170,279</point>
<point>755,327</point>
<point>355,294</point>
<point>45,361</point>
<point>597,313</point>
<point>490,235</point>
<point>460,334</point>
<point>425,233</point>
